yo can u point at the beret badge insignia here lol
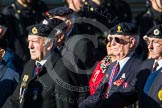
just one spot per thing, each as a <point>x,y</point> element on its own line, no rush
<point>34,30</point>
<point>119,28</point>
<point>156,32</point>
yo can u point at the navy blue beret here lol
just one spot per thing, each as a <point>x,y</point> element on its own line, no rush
<point>155,32</point>
<point>39,30</point>
<point>123,29</point>
<point>59,11</point>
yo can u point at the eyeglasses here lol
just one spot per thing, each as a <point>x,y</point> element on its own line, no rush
<point>118,40</point>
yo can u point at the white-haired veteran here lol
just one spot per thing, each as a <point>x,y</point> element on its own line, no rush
<point>46,81</point>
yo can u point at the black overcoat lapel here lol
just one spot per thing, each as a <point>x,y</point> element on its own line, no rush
<point>30,70</point>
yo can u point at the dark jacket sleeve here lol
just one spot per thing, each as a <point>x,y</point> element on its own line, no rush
<point>13,100</point>
<point>116,100</point>
<point>8,85</point>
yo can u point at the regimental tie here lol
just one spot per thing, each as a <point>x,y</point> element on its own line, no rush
<point>38,68</point>
<point>113,75</point>
<point>155,66</point>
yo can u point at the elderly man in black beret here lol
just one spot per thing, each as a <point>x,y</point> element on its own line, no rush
<point>20,14</point>
<point>116,83</point>
<point>149,79</point>
<point>46,81</point>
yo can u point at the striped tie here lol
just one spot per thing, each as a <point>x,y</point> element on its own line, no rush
<point>155,66</point>
<point>114,72</point>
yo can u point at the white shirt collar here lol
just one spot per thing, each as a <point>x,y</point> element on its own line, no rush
<point>42,62</point>
<point>160,64</point>
<point>123,62</point>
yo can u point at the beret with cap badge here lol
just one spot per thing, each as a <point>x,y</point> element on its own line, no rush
<point>59,11</point>
<point>39,30</point>
<point>154,32</point>
<point>123,28</point>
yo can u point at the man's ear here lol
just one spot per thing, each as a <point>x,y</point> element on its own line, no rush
<point>50,46</point>
<point>132,42</point>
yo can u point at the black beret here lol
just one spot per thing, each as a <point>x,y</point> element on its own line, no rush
<point>154,32</point>
<point>54,23</point>
<point>123,29</point>
<point>3,43</point>
<point>39,30</point>
<point>59,11</point>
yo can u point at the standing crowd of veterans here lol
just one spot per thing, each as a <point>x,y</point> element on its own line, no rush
<point>87,54</point>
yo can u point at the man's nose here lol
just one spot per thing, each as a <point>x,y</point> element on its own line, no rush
<point>30,46</point>
<point>150,45</point>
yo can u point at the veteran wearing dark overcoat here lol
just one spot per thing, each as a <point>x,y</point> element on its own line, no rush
<point>151,99</point>
<point>50,85</point>
<point>149,83</point>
